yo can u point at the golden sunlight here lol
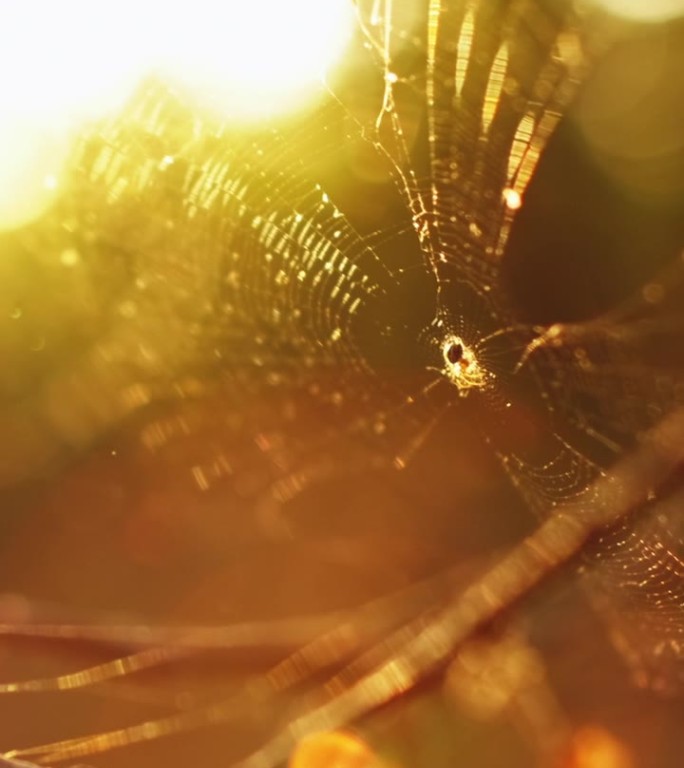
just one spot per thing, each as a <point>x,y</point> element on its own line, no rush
<point>64,63</point>
<point>254,59</point>
<point>31,160</point>
<point>644,10</point>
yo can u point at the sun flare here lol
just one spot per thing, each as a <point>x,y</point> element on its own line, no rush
<point>63,63</point>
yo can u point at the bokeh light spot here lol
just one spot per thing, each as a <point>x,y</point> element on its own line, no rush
<point>336,749</point>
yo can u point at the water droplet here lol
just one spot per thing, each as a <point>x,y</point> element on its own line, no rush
<point>512,199</point>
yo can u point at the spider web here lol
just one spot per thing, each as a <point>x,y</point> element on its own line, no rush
<point>322,340</point>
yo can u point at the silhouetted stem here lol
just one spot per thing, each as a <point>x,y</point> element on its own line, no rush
<point>556,541</point>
